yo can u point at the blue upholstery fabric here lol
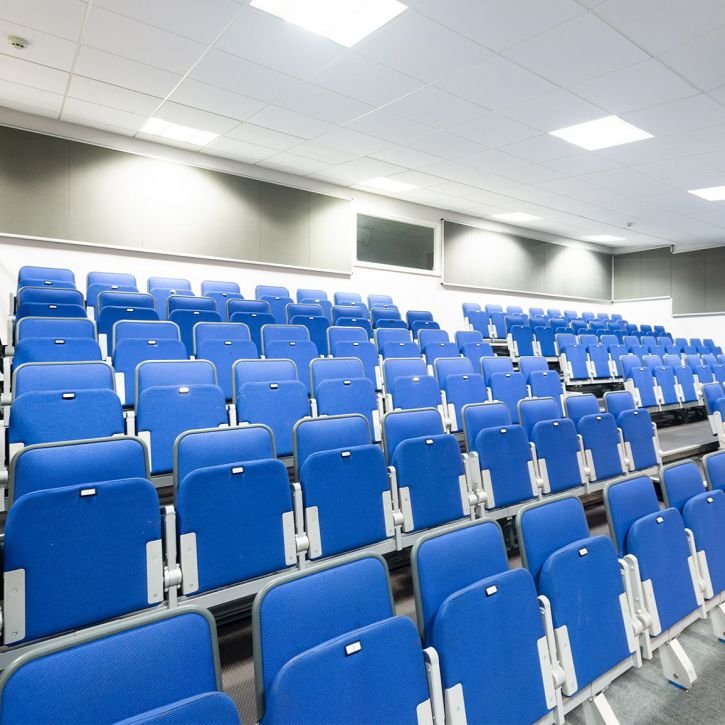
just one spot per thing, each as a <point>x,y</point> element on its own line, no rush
<point>375,300</point>
<point>277,306</point>
<point>56,466</point>
<point>401,349</point>
<point>345,334</point>
<point>505,453</point>
<point>464,337</point>
<point>431,336</point>
<point>113,298</point>
<point>109,316</point>
<point>665,378</point>
<point>255,321</point>
<point>401,425</point>
<point>363,351</point>
<point>358,309</point>
<point>130,352</point>
<point>445,366</point>
<point>704,515</point>
<point>50,416</point>
<point>44,275</point>
<point>64,540</point>
<point>523,337</point>
<point>74,327</point>
<point>546,528</point>
<point>378,314</point>
<point>235,510</point>
<point>686,380</point>
<point>361,322</point>
<point>334,369</point>
<point>402,367</point>
<point>186,319</point>
<point>480,321</point>
<point>712,393</point>
<point>446,563</point>
<point>189,302</point>
<point>534,410</point>
<point>99,281</point>
<point>317,329</point>
<point>274,333</point>
<point>168,283</point>
<point>577,406</point>
<point>576,356</point>
<point>509,388</point>
<point>628,501</point>
<point>412,316</point>
<point>263,371</point>
<point>414,391</point>
<point>715,470</point>
<point>185,372</point>
<point>680,482</point>
<point>346,485</point>
<point>300,309</point>
<point>219,331</point>
<point>547,384</point>
<point>204,448</point>
<point>490,366</point>
<point>45,309</point>
<point>384,336</point>
<point>35,377</point>
<point>599,356</point>
<point>276,404</point>
<point>383,682</point>
<point>557,444</point>
<point>209,707</point>
<point>601,437</point>
<point>462,390</point>
<point>144,330</point>
<point>499,655</point>
<point>617,401</point>
<point>221,301</point>
<point>167,411</point>
<point>645,384</point>
<point>529,364</point>
<point>313,435</point>
<point>478,417</point>
<point>636,427</point>
<point>301,352</point>
<point>55,349</point>
<point>304,294</point>
<point>260,306</point>
<point>347,298</point>
<point>350,395</point>
<point>49,296</point>
<point>302,612</point>
<point>545,336</point>
<point>474,351</point>
<point>434,350</point>
<point>208,286</point>
<point>223,354</point>
<point>618,352</point>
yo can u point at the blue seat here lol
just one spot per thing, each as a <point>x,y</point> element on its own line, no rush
<point>509,388</point>
<point>659,541</point>
<point>545,340</point>
<point>652,361</point>
<point>547,384</point>
<point>686,381</point>
<point>498,325</point>
<point>242,305</point>
<point>277,305</point>
<point>385,336</point>
<point>479,417</point>
<point>577,406</point>
<point>32,276</point>
<point>602,449</point>
<point>445,366</point>
<point>129,352</point>
<point>528,364</point>
<point>378,314</point>
<point>493,307</point>
<point>521,341</point>
<point>334,369</point>
<point>236,520</point>
<point>223,354</point>
<point>62,376</point>
<point>559,459</point>
<point>342,396</point>
<point>704,374</point>
<point>643,385</point>
<point>73,327</point>
<point>347,298</point>
<point>617,352</point>
<point>414,391</point>
<point>430,336</point>
<point>208,286</point>
<point>327,643</point>
<point>464,337</point>
<point>49,296</point>
<point>533,410</point>
<point>640,439</point>
<point>55,349</point>
<point>363,351</point>
<point>714,465</point>
<point>169,283</point>
<point>434,350</point>
<point>187,319</point>
<point>600,361</point>
<point>44,309</point>
<point>362,322</point>
<point>400,367</point>
<point>429,469</point>
<point>564,339</point>
<point>400,349</point>
<point>340,312</point>
<point>480,321</point>
<point>376,300</point>
<point>165,411</point>
<point>254,321</point>
<point>305,294</point>
<point>143,330</point>
<point>173,372</point>
<point>221,293</point>
<point>588,339</point>
<point>344,484</point>
<point>462,389</point>
<point>469,307</point>
<point>490,366</point>
<point>205,331</point>
<point>274,333</point>
<point>64,538</point>
<point>317,329</point>
<point>119,298</point>
<point>579,575</point>
<point>109,316</point>
<point>666,382</point>
<point>55,465</point>
<point>460,577</point>
<point>301,352</point>
<point>574,362</point>
<point>474,351</point>
<point>189,302</point>
<point>269,392</point>
<point>412,316</point>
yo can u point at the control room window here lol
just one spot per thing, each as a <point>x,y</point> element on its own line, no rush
<point>395,243</point>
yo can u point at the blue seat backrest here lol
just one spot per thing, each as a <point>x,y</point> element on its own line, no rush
<point>618,352</point>
<point>223,354</point>
<point>637,431</point>
<point>402,425</point>
<point>433,351</point>
<point>221,301</point>
<point>384,336</point>
<point>509,388</point>
<point>188,302</point>
<point>104,678</point>
<point>101,536</point>
<point>174,372</point>
<point>46,349</point>
<point>272,333</point>
<point>616,401</point>
<point>665,378</point>
<point>216,446</point>
<point>340,368</point>
<point>75,327</point>
<point>524,338</point>
<point>686,379</point>
<point>304,294</point>
<point>627,501</point>
<point>295,613</point>
<point>576,357</point>
<point>599,355</point>
<point>352,395</point>
<point>186,320</point>
<point>564,339</point>
<point>97,282</point>
<point>254,321</point>
<point>235,511</point>
<point>467,336</point>
<point>216,286</point>
<point>113,298</point>
<point>474,351</point>
<point>144,330</point>
<point>247,306</point>
<point>429,337</point>
<point>577,406</point>
<point>398,367</point>
<point>44,309</point>
<point>49,295</point>
<point>220,331</point>
<point>384,313</point>
<point>489,366</point>
<point>601,438</point>
<point>340,312</point>
<point>62,376</point>
<point>445,366</point>
<point>480,322</point>
<point>704,514</point>
<point>301,352</point>
<point>168,283</point>
<point>478,417</point>
<point>109,316</point>
<point>547,384</point>
<point>712,392</point>
<point>445,563</point>
<point>714,464</point>
<point>167,411</point>
<point>313,435</point>
<point>534,410</point>
<point>469,307</point>
<point>347,298</point>
<point>268,290</point>
<point>363,351</point>
<point>361,322</point>
<point>45,275</point>
<point>527,365</point>
<point>317,329</point>
<point>57,465</point>
<point>415,391</point>
<point>302,309</point>
<point>400,349</point>
<point>680,482</point>
<point>557,448</point>
<point>374,300</point>
<point>493,307</point>
<point>644,381</point>
<point>504,452</point>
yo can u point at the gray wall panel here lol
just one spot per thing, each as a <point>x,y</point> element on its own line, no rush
<point>688,289</point>
<point>63,189</point>
<point>640,275</point>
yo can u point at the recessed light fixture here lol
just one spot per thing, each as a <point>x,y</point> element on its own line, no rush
<point>602,133</point>
<point>711,193</point>
<point>383,183</point>
<point>515,216</point>
<point>193,136</point>
<point>344,21</point>
<point>603,238</point>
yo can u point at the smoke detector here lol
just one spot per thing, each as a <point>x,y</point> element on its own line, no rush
<point>17,42</point>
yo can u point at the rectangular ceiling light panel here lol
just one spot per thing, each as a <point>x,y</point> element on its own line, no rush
<point>159,127</point>
<point>602,133</point>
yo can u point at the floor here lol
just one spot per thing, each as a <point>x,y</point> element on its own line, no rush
<point>640,697</point>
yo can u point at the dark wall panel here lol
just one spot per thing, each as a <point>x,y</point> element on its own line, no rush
<point>642,275</point>
<point>52,187</point>
<point>474,257</point>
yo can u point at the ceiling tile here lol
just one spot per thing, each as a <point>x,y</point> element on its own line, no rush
<point>417,178</point>
<point>627,181</point>
<point>493,160</point>
<point>496,83</point>
<point>640,152</point>
<point>446,145</point>
<point>259,136</point>
<point>122,72</point>
<point>715,159</point>
<point>323,103</point>
<point>326,154</point>
<point>637,86</point>
<point>217,100</point>
<point>240,150</point>
<point>705,140</point>
<point>683,115</point>
<point>389,126</point>
<point>195,19</point>
<point>105,94</point>
<point>285,121</point>
<point>273,42</point>
<point>499,24</point>
<point>77,111</point>
<point>579,49</point>
<point>348,140</point>
<point>361,78</point>
<point>494,130</point>
<point>689,172</point>
<point>531,173</point>
<point>409,42</point>
<point>63,18</point>
<point>700,60</point>
<point>242,76</point>
<point>436,108</point>
<point>33,74</point>
<point>143,43</point>
<point>540,148</point>
<point>658,26</point>
<point>31,100</point>
<point>196,118</point>
<point>42,48</point>
<point>555,110</point>
<point>581,163</point>
<point>359,170</point>
<point>292,163</point>
<point>406,156</point>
